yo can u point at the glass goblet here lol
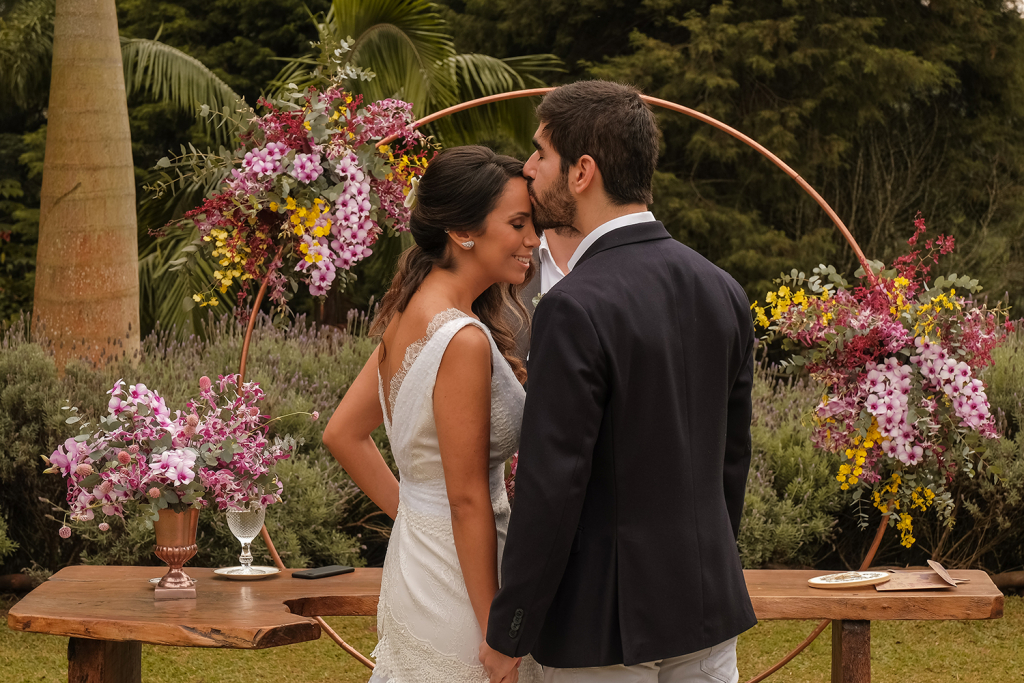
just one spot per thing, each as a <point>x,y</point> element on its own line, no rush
<point>245,524</point>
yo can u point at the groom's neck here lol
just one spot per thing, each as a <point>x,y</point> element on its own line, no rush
<point>590,215</point>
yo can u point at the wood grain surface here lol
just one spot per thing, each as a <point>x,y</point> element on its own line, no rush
<point>103,661</point>
<point>851,651</point>
<point>116,604</point>
<point>784,594</point>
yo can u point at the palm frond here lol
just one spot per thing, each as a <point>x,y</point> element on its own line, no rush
<point>170,75</point>
<point>478,75</point>
<point>26,50</point>
<point>166,294</point>
<point>404,42</point>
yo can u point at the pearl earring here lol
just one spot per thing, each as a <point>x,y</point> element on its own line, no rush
<point>469,244</point>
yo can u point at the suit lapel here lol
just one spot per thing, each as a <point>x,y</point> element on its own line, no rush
<point>627,234</point>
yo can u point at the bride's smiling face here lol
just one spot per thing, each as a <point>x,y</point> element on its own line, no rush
<point>505,245</point>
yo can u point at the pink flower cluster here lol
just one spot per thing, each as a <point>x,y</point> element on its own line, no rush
<point>888,385</point>
<point>266,161</point>
<point>215,451</point>
<point>306,167</point>
<point>955,379</point>
<point>353,231</point>
<point>260,208</point>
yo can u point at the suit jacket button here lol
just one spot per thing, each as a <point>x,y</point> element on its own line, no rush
<point>519,613</point>
<point>513,634</point>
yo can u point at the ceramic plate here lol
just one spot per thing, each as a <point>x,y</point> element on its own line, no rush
<point>849,579</point>
<point>235,573</point>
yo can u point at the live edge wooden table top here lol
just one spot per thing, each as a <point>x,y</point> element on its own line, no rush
<point>115,604</point>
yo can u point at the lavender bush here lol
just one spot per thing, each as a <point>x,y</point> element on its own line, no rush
<point>795,513</point>
<point>323,518</point>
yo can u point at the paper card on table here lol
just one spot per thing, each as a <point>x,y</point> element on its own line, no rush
<point>941,571</point>
<point>911,581</point>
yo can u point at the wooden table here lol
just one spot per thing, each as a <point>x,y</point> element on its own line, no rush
<point>109,611</point>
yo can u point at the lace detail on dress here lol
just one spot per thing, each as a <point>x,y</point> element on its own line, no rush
<point>412,352</point>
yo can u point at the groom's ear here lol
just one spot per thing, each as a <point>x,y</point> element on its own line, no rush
<point>584,174</point>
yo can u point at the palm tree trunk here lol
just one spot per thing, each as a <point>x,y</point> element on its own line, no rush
<point>87,282</point>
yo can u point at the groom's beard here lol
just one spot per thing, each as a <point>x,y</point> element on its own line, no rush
<point>555,209</point>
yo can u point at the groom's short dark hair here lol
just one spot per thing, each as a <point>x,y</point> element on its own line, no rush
<point>611,123</point>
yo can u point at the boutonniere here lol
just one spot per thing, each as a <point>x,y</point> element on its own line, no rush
<point>536,300</point>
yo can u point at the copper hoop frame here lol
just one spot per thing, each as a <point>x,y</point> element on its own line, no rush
<point>664,104</point>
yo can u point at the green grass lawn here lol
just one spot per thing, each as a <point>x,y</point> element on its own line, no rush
<point>905,651</point>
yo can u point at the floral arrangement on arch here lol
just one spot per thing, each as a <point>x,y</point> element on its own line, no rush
<point>309,189</point>
<point>215,451</point>
<point>899,360</point>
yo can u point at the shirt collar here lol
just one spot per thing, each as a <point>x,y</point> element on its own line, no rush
<point>604,229</point>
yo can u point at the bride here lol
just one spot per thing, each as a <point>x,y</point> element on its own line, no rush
<point>447,386</point>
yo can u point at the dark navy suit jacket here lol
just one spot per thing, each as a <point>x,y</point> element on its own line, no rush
<point>633,461</point>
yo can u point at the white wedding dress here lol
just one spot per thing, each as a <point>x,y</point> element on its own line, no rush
<point>427,629</point>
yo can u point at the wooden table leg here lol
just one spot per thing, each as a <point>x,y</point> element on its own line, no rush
<point>851,651</point>
<point>104,661</point>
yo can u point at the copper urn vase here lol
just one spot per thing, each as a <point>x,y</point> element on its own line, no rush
<point>175,545</point>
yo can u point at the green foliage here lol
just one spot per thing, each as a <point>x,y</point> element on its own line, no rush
<point>792,495</point>
<point>884,108</point>
<point>324,519</point>
<point>407,45</point>
<point>20,179</point>
<point>795,513</point>
<point>7,546</point>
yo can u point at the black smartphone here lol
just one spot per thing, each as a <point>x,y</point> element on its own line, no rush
<point>321,572</point>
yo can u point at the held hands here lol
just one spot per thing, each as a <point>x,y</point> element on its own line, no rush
<point>500,668</point>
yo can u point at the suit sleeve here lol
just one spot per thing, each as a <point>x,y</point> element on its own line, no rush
<point>737,441</point>
<point>561,421</point>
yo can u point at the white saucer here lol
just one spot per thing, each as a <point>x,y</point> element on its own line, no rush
<point>234,573</point>
<point>849,579</point>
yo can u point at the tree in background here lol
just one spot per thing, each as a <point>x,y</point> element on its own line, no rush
<point>86,301</point>
<point>154,72</point>
<point>886,108</point>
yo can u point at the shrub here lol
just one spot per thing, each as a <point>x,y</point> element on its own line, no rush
<point>792,495</point>
<point>302,369</point>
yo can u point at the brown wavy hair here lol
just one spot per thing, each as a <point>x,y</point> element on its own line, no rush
<point>460,187</point>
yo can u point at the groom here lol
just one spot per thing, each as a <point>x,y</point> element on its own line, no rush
<point>621,561</point>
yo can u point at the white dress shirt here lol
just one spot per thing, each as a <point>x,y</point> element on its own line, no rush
<point>604,229</point>
<point>550,273</point>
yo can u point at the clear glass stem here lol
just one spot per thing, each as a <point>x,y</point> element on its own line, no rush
<point>245,559</point>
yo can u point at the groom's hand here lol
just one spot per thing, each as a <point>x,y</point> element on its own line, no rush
<point>498,666</point>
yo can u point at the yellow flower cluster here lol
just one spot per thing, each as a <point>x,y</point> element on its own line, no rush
<point>901,304</point>
<point>906,527</point>
<point>928,314</point>
<point>922,497</point>
<point>303,219</point>
<point>229,258</point>
<point>890,489</point>
<point>202,300</point>
<point>781,301</point>
<point>401,165</point>
<point>849,472</point>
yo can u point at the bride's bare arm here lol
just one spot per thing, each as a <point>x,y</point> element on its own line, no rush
<point>347,437</point>
<point>462,413</point>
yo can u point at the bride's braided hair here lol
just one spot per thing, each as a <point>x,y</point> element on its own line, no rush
<point>460,187</point>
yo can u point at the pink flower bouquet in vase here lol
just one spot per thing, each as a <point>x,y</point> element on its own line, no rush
<point>899,358</point>
<point>215,452</point>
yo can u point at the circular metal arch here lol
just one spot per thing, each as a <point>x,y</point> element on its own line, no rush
<point>672,106</point>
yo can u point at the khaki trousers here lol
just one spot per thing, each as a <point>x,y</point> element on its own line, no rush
<point>714,665</point>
